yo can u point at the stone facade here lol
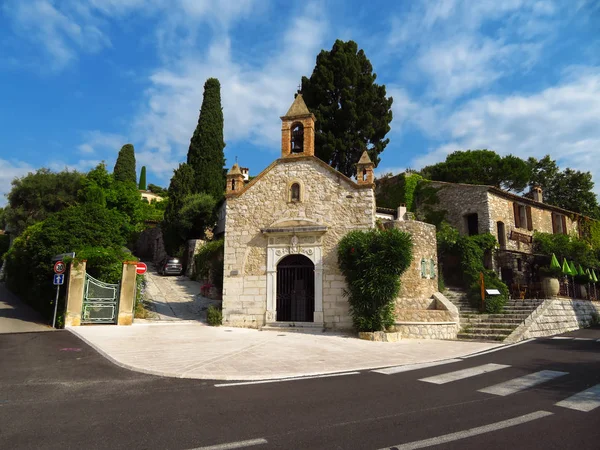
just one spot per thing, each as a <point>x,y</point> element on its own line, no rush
<point>556,316</point>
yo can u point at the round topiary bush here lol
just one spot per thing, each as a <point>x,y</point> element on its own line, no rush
<point>372,262</point>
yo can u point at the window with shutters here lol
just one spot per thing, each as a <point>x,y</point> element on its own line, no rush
<point>559,223</point>
<point>523,217</point>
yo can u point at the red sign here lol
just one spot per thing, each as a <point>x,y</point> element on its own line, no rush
<point>141,268</point>
<point>59,267</point>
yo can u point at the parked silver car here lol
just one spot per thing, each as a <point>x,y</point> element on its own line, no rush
<point>170,266</point>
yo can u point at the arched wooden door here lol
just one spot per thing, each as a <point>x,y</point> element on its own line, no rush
<point>295,289</point>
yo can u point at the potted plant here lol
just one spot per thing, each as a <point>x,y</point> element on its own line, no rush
<point>550,276</point>
<point>582,280</point>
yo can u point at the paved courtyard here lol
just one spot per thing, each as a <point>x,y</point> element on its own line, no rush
<point>190,349</point>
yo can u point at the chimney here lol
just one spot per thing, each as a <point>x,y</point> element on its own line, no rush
<point>401,212</point>
<point>537,194</point>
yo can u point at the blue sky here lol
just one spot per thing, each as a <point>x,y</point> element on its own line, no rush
<point>80,78</point>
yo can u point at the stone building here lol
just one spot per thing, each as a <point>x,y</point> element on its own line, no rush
<point>282,230</point>
<point>511,218</point>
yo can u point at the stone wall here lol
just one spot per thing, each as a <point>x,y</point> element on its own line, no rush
<point>415,282</point>
<point>445,330</point>
<point>150,245</point>
<point>329,199</point>
<point>555,316</point>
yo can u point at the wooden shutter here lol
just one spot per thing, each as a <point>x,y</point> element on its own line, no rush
<point>517,217</point>
<point>529,220</point>
<point>553,223</point>
<point>564,224</point>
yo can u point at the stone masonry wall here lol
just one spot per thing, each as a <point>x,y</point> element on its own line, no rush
<point>555,316</point>
<point>328,199</point>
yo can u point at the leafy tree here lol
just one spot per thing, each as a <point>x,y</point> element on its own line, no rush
<point>352,112</point>
<point>481,167</point>
<point>569,189</point>
<point>181,186</point>
<point>142,185</point>
<point>195,215</point>
<point>157,190</point>
<point>29,261</point>
<point>125,166</point>
<point>2,218</point>
<point>37,195</point>
<point>205,155</point>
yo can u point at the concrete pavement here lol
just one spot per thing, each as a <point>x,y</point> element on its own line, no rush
<point>194,350</point>
<point>16,316</point>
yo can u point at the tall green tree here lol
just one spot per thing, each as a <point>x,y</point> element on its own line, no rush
<point>142,185</point>
<point>353,113</point>
<point>205,155</point>
<point>569,189</point>
<point>181,186</point>
<point>39,194</point>
<point>481,167</point>
<point>125,166</point>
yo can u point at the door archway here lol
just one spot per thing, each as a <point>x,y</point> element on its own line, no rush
<point>295,289</point>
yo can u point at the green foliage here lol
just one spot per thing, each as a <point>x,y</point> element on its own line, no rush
<point>372,262</point>
<point>565,246</point>
<point>214,316</point>
<point>157,190</point>
<point>4,244</point>
<point>2,218</point>
<point>181,186</point>
<point>125,166</point>
<point>352,112</point>
<point>481,167</point>
<point>195,215</point>
<point>209,263</point>
<point>569,189</point>
<point>494,304</point>
<point>426,202</point>
<point>205,155</point>
<point>391,192</point>
<point>37,195</point>
<point>78,229</point>
<point>105,263</point>
<point>142,184</point>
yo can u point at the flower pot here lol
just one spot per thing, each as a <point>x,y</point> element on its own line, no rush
<point>550,287</point>
<point>583,291</point>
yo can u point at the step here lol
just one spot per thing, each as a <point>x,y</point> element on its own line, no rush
<point>491,321</point>
<point>522,316</point>
<point>481,337</point>
<point>487,331</point>
<point>494,325</point>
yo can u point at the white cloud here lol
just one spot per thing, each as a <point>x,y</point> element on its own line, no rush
<point>9,170</point>
<point>97,140</point>
<point>561,121</point>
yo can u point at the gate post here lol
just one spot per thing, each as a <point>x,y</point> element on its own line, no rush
<point>127,294</point>
<point>74,297</point>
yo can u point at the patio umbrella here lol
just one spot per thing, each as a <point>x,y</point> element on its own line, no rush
<point>566,270</point>
<point>580,270</point>
<point>595,280</point>
<point>554,262</point>
<point>573,273</point>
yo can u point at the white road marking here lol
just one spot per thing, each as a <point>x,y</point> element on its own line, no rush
<point>242,383</point>
<point>497,349</point>
<point>583,339</point>
<point>471,432</point>
<point>562,337</point>
<point>409,367</point>
<point>583,401</point>
<point>465,373</point>
<point>231,445</point>
<point>521,383</point>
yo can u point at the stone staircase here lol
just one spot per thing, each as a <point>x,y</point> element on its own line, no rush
<point>489,327</point>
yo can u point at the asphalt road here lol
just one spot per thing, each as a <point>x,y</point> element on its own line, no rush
<point>56,392</point>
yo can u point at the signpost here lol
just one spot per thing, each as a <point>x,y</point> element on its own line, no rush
<point>141,268</point>
<point>59,278</point>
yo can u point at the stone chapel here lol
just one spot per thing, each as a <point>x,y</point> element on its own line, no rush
<point>282,230</point>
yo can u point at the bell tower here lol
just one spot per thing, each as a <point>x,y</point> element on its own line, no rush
<point>298,130</point>
<point>364,170</point>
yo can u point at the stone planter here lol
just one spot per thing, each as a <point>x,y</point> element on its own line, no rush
<point>583,291</point>
<point>379,336</point>
<point>551,287</point>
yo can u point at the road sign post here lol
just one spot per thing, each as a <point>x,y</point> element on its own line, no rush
<point>59,279</point>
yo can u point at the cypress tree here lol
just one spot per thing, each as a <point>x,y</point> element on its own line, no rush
<point>181,186</point>
<point>142,185</point>
<point>125,166</point>
<point>205,155</point>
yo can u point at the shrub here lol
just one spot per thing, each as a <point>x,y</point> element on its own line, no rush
<point>372,262</point>
<point>4,244</point>
<point>214,316</point>
<point>494,304</point>
<point>209,263</point>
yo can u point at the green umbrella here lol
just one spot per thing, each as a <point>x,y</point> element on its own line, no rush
<point>594,277</point>
<point>554,263</point>
<point>589,274</point>
<point>580,270</point>
<point>573,268</point>
<point>565,267</point>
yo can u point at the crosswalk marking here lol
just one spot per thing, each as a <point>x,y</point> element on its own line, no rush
<point>583,339</point>
<point>409,367</point>
<point>583,401</point>
<point>521,383</point>
<point>465,373</point>
<point>562,337</point>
